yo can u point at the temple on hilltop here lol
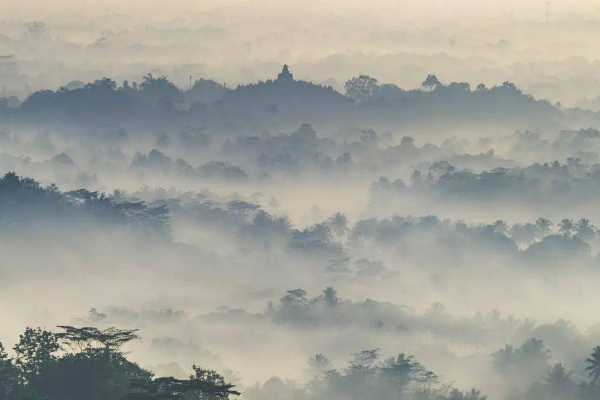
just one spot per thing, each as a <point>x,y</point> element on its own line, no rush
<point>285,75</point>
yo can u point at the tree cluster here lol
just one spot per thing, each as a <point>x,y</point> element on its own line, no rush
<point>87,363</point>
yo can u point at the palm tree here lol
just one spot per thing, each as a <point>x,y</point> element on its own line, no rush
<point>558,378</point>
<point>503,357</point>
<point>543,226</point>
<point>585,230</point>
<point>565,227</point>
<point>474,394</point>
<point>594,366</point>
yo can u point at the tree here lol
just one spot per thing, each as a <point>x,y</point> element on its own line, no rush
<point>35,349</point>
<point>509,86</point>
<point>543,226</point>
<point>519,364</point>
<point>94,370</point>
<point>558,378</point>
<point>101,86</point>
<point>338,224</point>
<point>416,179</point>
<point>584,229</point>
<point>565,227</point>
<point>295,297</point>
<point>501,227</point>
<point>154,89</point>
<point>9,376</point>
<point>211,385</point>
<point>330,297</point>
<point>203,385</point>
<point>363,361</point>
<point>473,394</point>
<point>594,364</point>
<point>524,233</point>
<point>431,82</point>
<point>37,29</point>
<point>319,363</point>
<point>81,339</point>
<point>402,370</point>
<point>93,374</point>
<point>363,88</point>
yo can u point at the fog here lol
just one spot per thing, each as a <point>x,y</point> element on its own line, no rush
<point>395,41</point>
<point>299,200</point>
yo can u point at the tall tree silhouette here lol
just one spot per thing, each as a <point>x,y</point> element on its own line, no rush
<point>558,378</point>
<point>544,226</point>
<point>594,364</point>
<point>565,227</point>
<point>584,229</point>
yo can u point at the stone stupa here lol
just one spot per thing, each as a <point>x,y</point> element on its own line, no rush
<point>285,75</point>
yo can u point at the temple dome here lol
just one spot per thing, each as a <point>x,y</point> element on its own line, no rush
<point>285,74</point>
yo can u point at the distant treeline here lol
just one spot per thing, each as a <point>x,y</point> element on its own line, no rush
<point>283,101</point>
<point>24,201</point>
<point>572,180</point>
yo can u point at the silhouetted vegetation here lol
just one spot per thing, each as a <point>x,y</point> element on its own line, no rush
<point>87,363</point>
<point>279,101</point>
<point>23,201</point>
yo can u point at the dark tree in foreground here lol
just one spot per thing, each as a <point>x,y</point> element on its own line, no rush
<point>36,348</point>
<point>473,394</point>
<point>94,370</point>
<point>558,378</point>
<point>203,385</point>
<point>9,376</point>
<point>594,364</point>
<point>87,364</point>
<point>93,374</point>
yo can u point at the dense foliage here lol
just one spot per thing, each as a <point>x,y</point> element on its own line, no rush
<point>87,363</point>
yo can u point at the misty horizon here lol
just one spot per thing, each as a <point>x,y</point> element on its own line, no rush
<point>299,200</point>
